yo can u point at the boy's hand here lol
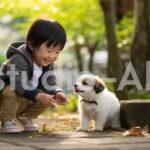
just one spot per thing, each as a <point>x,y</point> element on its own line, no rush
<point>46,99</point>
<point>61,98</point>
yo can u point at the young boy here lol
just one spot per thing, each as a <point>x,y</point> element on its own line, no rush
<point>30,84</point>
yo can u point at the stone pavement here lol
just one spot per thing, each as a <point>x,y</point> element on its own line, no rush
<point>72,140</point>
<point>132,113</point>
<point>63,140</point>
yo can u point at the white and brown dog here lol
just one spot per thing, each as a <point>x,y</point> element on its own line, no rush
<point>96,103</point>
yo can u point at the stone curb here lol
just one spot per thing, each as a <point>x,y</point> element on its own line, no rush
<point>135,113</point>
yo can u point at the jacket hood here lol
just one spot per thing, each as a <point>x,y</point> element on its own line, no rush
<point>19,48</point>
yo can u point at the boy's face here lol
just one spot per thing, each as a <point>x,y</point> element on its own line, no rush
<point>43,56</point>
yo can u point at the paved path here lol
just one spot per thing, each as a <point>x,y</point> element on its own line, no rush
<point>72,140</point>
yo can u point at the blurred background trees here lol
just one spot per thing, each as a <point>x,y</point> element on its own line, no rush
<point>113,53</point>
<point>103,36</point>
<point>140,48</point>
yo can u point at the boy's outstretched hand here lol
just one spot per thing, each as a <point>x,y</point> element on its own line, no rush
<point>46,99</point>
<point>61,98</point>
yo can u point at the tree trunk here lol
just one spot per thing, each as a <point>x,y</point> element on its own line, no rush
<point>90,65</point>
<point>140,48</point>
<point>92,51</point>
<point>79,58</point>
<point>114,61</point>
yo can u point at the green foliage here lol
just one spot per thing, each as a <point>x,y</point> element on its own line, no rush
<point>124,32</point>
<point>71,106</point>
<point>79,19</point>
<point>140,95</point>
<point>109,85</point>
<point>2,58</point>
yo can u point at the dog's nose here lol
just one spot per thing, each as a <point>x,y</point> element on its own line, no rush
<point>75,85</point>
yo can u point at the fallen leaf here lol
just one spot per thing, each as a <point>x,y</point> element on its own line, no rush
<point>135,131</point>
<point>126,133</point>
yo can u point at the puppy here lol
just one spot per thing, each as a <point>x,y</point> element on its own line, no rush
<point>96,103</point>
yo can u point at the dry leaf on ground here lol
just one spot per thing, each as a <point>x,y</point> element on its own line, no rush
<point>137,131</point>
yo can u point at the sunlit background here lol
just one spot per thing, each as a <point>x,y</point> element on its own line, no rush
<point>86,49</point>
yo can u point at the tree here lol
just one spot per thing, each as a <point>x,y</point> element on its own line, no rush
<point>83,24</point>
<point>140,49</point>
<point>114,61</point>
<point>85,27</point>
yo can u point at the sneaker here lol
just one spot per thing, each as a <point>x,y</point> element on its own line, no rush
<point>28,124</point>
<point>10,126</point>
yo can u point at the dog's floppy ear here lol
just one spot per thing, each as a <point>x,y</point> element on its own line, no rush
<point>99,87</point>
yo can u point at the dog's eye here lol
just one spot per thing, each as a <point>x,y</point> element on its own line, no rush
<point>85,83</point>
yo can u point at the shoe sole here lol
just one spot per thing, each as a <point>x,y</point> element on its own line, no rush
<point>10,131</point>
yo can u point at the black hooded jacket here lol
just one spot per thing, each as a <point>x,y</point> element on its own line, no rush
<point>19,57</point>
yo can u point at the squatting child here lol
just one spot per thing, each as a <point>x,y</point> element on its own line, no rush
<point>28,79</point>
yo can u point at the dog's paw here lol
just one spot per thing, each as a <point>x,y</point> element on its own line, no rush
<point>81,129</point>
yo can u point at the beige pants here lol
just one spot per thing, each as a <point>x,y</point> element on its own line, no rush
<point>13,105</point>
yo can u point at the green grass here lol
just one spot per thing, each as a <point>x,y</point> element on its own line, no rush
<point>70,107</point>
<point>2,58</point>
<point>140,95</point>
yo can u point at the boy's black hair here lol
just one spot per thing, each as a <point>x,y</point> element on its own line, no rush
<point>48,31</point>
